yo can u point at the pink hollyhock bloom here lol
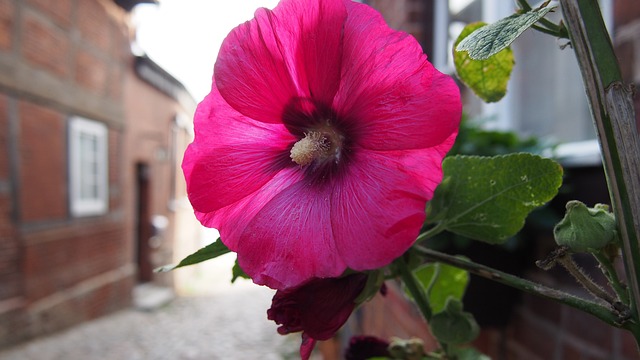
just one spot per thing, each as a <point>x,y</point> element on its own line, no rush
<point>320,143</point>
<point>318,308</point>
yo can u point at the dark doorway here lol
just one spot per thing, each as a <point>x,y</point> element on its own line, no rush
<point>143,223</point>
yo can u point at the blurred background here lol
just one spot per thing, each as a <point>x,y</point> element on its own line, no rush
<point>96,106</point>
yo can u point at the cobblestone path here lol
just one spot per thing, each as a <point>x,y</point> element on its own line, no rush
<point>230,325</point>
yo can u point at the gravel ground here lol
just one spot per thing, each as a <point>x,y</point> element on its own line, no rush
<point>229,323</point>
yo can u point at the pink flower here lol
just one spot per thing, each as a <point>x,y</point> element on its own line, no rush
<point>318,308</point>
<point>320,143</point>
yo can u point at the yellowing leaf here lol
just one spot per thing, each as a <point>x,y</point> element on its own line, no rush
<point>487,78</point>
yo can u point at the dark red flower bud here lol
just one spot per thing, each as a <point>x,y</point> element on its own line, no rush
<point>319,307</point>
<point>365,347</point>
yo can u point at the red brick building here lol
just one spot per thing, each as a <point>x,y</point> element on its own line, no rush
<point>91,139</point>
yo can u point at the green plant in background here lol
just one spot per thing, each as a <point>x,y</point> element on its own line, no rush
<point>473,139</point>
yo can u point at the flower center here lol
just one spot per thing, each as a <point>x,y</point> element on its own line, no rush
<point>312,146</point>
<point>320,144</point>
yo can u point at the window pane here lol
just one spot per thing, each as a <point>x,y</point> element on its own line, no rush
<point>88,167</point>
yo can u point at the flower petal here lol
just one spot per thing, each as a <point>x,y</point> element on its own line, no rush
<point>306,347</point>
<point>290,239</point>
<point>318,36</point>
<point>232,220</point>
<point>393,96</point>
<point>222,169</point>
<point>264,63</point>
<point>379,206</point>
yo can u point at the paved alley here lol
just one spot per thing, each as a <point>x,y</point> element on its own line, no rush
<point>228,323</point>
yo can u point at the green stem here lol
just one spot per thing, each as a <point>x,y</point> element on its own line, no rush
<point>614,118</point>
<point>612,276</point>
<point>545,30</point>
<point>595,309</point>
<point>416,291</point>
<point>434,279</point>
<point>418,294</point>
<point>584,280</point>
<point>437,229</point>
<point>547,26</point>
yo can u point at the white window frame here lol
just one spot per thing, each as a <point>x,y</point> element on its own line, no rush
<point>80,204</point>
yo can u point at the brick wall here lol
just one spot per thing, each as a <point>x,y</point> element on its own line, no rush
<point>45,45</point>
<point>625,12</point>
<point>7,9</point>
<point>541,329</point>
<point>405,15</point>
<point>42,155</point>
<point>10,275</point>
<point>151,143</point>
<point>59,59</point>
<point>627,44</point>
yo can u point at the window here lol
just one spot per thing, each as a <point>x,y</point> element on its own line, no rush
<point>87,167</point>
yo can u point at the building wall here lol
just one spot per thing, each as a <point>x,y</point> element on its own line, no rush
<point>60,59</point>
<point>403,15</point>
<point>627,44</point>
<point>158,142</point>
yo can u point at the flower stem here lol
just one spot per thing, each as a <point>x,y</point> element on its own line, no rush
<point>437,229</point>
<point>416,291</point>
<point>612,110</point>
<point>562,256</point>
<point>419,296</point>
<point>595,309</point>
<point>583,279</point>
<point>543,29</point>
<point>612,276</point>
<point>547,27</point>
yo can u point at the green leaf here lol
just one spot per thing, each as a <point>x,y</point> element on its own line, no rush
<point>238,273</point>
<point>488,198</point>
<point>493,38</point>
<point>487,78</point>
<point>454,326</point>
<point>442,281</point>
<point>208,252</point>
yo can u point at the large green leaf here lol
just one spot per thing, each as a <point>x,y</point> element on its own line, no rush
<point>491,39</point>
<point>488,198</point>
<point>487,78</point>
<point>208,252</point>
<point>441,282</point>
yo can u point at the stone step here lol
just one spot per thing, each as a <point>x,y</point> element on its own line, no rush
<point>149,297</point>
